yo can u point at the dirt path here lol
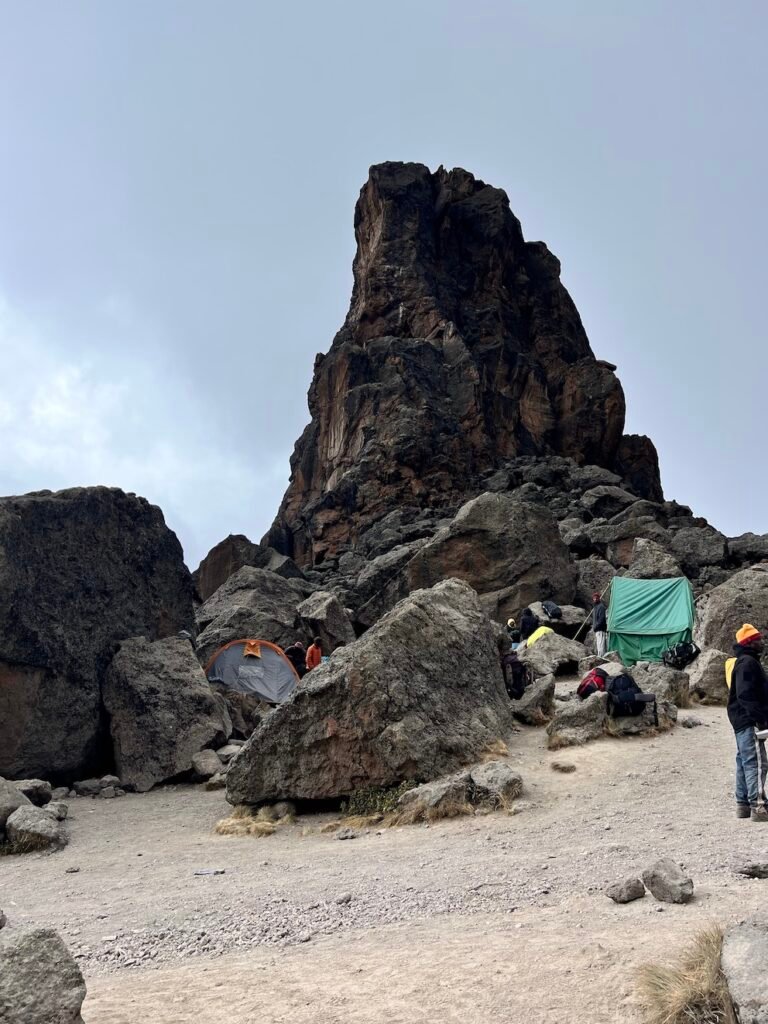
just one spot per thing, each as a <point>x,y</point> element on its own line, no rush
<point>483,919</point>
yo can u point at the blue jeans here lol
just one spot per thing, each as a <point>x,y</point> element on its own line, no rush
<point>751,768</point>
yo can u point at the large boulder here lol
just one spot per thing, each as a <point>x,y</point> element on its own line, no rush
<point>161,710</point>
<point>742,598</point>
<point>553,655</point>
<point>418,696</point>
<point>34,828</point>
<point>10,799</point>
<point>606,501</point>
<point>748,548</point>
<point>578,722</point>
<point>251,603</point>
<point>79,571</point>
<point>706,677</point>
<point>40,983</point>
<point>509,551</point>
<point>537,705</point>
<point>668,684</point>
<point>651,562</point>
<point>592,577</point>
<point>745,953</point>
<point>573,621</point>
<point>696,547</point>
<point>322,615</point>
<point>231,554</point>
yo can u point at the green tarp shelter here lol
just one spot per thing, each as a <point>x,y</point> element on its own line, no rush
<point>647,616</point>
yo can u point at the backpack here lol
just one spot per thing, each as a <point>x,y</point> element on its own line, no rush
<point>680,655</point>
<point>592,682</point>
<point>553,610</point>
<point>623,693</point>
<point>517,676</point>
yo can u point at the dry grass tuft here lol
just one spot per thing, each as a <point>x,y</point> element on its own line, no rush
<point>694,990</point>
<point>29,844</point>
<point>246,821</point>
<point>558,742</point>
<point>415,812</point>
<point>493,751</point>
<point>361,820</point>
<point>562,766</point>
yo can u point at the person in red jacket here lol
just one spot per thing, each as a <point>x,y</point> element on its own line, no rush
<point>314,653</point>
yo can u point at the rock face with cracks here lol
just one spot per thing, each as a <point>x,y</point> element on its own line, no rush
<point>80,570</point>
<point>461,348</point>
<point>418,696</point>
<point>40,983</point>
<point>742,598</point>
<point>162,710</point>
<point>745,947</point>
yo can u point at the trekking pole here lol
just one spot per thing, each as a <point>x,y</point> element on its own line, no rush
<point>589,616</point>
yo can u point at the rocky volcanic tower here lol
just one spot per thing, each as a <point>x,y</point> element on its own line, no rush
<point>461,349</point>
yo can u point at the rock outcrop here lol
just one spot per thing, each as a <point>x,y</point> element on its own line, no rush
<point>40,983</point>
<point>461,349</point>
<point>251,603</point>
<point>742,598</point>
<point>162,711</point>
<point>79,571</point>
<point>232,554</point>
<point>418,696</point>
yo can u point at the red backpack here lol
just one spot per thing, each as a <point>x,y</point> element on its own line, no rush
<point>592,682</point>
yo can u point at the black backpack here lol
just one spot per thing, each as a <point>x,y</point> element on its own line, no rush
<point>680,655</point>
<point>625,698</point>
<point>553,610</point>
<point>517,676</point>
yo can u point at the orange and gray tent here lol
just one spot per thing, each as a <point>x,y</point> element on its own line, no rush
<point>256,667</point>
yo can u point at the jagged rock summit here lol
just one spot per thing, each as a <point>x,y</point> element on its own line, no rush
<point>461,349</point>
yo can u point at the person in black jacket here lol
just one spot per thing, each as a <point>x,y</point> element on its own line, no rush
<point>529,623</point>
<point>748,714</point>
<point>599,625</point>
<point>297,655</point>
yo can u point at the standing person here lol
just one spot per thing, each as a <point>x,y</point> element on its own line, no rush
<point>314,654</point>
<point>748,713</point>
<point>599,625</point>
<point>529,623</point>
<point>297,657</point>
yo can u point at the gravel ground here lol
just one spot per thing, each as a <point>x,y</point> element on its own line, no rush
<point>135,908</point>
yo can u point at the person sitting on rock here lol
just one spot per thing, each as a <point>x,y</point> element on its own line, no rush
<point>297,657</point>
<point>514,670</point>
<point>529,623</point>
<point>314,654</point>
<point>748,714</point>
<point>599,625</point>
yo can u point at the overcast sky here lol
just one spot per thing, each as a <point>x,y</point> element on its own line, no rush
<point>177,183</point>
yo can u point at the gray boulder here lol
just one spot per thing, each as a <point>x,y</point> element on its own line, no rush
<point>553,655</point>
<point>706,677</point>
<point>79,571</point>
<point>416,697</point>
<point>489,786</point>
<point>162,710</point>
<point>35,790</point>
<point>10,799</point>
<point>660,719</point>
<point>571,620</point>
<point>593,576</point>
<point>625,891</point>
<point>40,983</point>
<point>33,828</point>
<point>743,960</point>
<point>606,501</point>
<point>234,552</point>
<point>205,765</point>
<point>383,582</point>
<point>749,548</point>
<point>537,705</point>
<point>667,882</point>
<point>509,551</point>
<point>742,598</point>
<point>651,562</point>
<point>578,722</point>
<point>251,603</point>
<point>58,809</point>
<point>669,684</point>
<point>322,615</point>
<point>494,784</point>
<point>696,547</point>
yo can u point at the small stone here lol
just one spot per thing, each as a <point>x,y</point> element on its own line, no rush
<point>345,897</point>
<point>691,722</point>
<point>87,787</point>
<point>205,765</point>
<point>346,833</point>
<point>72,871</point>
<point>3,920</point>
<point>119,791</point>
<point>625,891</point>
<point>108,793</point>
<point>109,780</point>
<point>58,809</point>
<point>61,793</point>
<point>305,936</point>
<point>754,869</point>
<point>667,882</point>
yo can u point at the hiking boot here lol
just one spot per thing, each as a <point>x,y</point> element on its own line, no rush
<point>759,814</point>
<point>743,810</point>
